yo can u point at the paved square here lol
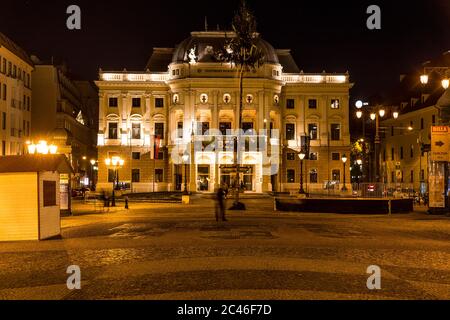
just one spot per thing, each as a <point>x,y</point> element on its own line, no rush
<point>171,251</point>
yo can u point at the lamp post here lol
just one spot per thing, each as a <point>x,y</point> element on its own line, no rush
<point>359,162</point>
<point>185,158</point>
<point>375,115</point>
<point>93,161</point>
<point>301,155</point>
<point>344,160</point>
<point>115,163</point>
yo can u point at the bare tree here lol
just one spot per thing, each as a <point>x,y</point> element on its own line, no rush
<point>242,52</point>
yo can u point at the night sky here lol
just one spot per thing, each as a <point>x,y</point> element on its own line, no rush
<point>323,35</point>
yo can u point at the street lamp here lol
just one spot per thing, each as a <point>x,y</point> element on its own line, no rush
<point>395,114</point>
<point>185,159</point>
<point>41,148</point>
<point>344,160</point>
<point>424,79</point>
<point>445,83</point>
<point>301,155</point>
<point>115,163</point>
<point>359,114</point>
<point>92,161</point>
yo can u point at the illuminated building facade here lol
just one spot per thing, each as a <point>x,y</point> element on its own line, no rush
<point>15,97</point>
<point>186,101</point>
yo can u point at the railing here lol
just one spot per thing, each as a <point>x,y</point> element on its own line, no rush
<point>314,78</point>
<point>362,190</point>
<point>136,77</point>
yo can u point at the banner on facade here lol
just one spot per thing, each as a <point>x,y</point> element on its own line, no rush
<point>436,191</point>
<point>440,143</point>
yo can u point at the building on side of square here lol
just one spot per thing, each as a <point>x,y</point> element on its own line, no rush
<point>185,94</point>
<point>65,114</point>
<point>15,97</point>
<point>406,140</point>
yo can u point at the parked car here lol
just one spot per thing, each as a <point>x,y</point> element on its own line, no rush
<point>80,192</point>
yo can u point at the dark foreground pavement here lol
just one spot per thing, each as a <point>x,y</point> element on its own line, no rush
<point>171,251</point>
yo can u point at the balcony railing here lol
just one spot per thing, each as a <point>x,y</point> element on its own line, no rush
<point>135,77</point>
<point>314,78</point>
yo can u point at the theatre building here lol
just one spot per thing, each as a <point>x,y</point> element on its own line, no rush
<point>186,101</point>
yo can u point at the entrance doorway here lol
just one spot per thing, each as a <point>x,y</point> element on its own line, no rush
<point>248,179</point>
<point>273,182</point>
<point>203,178</point>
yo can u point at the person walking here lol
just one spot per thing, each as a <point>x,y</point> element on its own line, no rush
<point>220,205</point>
<point>126,202</point>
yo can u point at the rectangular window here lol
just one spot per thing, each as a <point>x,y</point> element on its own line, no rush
<point>392,131</point>
<point>224,126</point>
<point>247,126</point>
<point>28,104</point>
<point>135,131</point>
<point>4,66</point>
<point>336,175</point>
<point>49,193</point>
<point>335,131</point>
<point>113,102</point>
<point>392,154</point>
<point>9,68</point>
<point>336,156</point>
<point>159,102</point>
<point>290,176</point>
<point>180,129</point>
<point>334,103</point>
<point>290,103</point>
<point>135,175</point>
<point>421,123</point>
<point>136,102</point>
<point>313,156</point>
<point>312,131</point>
<point>160,155</point>
<point>401,152</point>
<point>433,119</point>
<point>312,103</point>
<point>111,175</point>
<point>159,130</point>
<point>411,178</point>
<point>4,120</point>
<point>4,91</point>
<point>290,131</point>
<point>412,151</point>
<point>136,155</point>
<point>202,127</point>
<point>290,156</point>
<point>422,175</point>
<point>112,130</point>
<point>159,175</point>
<point>392,176</point>
<point>313,178</point>
<point>3,148</point>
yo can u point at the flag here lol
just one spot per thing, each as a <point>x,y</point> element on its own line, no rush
<point>156,146</point>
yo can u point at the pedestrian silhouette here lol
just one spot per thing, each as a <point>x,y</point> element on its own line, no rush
<point>126,202</point>
<point>220,205</point>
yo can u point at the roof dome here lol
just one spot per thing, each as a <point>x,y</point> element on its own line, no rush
<point>207,42</point>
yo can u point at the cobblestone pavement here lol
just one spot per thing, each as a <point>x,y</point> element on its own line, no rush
<point>171,251</point>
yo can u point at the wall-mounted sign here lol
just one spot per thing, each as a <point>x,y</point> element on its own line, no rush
<point>440,143</point>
